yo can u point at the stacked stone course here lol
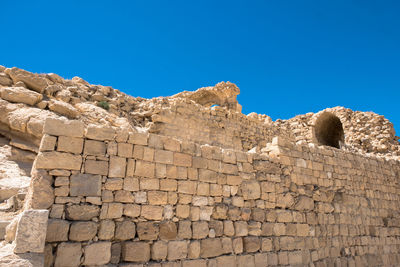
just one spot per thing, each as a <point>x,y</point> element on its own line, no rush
<point>141,198</point>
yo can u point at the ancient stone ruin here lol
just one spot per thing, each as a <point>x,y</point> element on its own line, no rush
<point>90,176</point>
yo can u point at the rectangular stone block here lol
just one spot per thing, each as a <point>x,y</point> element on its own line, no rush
<point>30,235</point>
<point>187,187</point>
<point>164,156</point>
<point>70,144</point>
<point>157,197</point>
<point>181,159</point>
<point>117,167</point>
<point>85,185</point>
<point>211,247</point>
<point>60,127</point>
<point>96,148</point>
<point>145,169</point>
<point>138,138</point>
<point>136,251</point>
<point>100,132</point>
<point>58,160</point>
<point>125,150</point>
<point>96,167</point>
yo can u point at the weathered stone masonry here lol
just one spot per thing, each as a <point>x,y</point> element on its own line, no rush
<point>117,196</point>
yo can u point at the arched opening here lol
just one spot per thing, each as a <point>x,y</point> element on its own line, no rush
<point>328,130</point>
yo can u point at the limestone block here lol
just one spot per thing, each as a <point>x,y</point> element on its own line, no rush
<point>124,196</point>
<point>70,144</point>
<point>251,244</point>
<point>138,138</point>
<point>229,229</point>
<point>111,211</point>
<point>117,167</point>
<point>237,245</point>
<point>114,184</point>
<point>182,211</point>
<point>168,185</point>
<point>61,180</point>
<point>203,189</point>
<point>136,251</point>
<point>250,190</point>
<point>159,250</point>
<point>57,230</point>
<point>208,176</point>
<point>241,228</point>
<point>82,231</point>
<point>233,180</point>
<point>41,193</point>
<point>85,185</point>
<point>56,211</point>
<point>163,156</point>
<point>20,95</point>
<point>177,250</point>
<point>48,143</point>
<point>187,187</point>
<point>59,127</point>
<point>181,159</point>
<point>125,230</point>
<point>140,197</point>
<point>304,203</point>
<point>210,247</point>
<point>168,230</point>
<point>82,212</point>
<point>130,167</point>
<point>106,229</point>
<point>227,261</point>
<point>96,167</point>
<point>58,160</point>
<point>199,201</point>
<point>145,169</point>
<point>149,184</point>
<point>63,108</point>
<point>96,148</point>
<point>147,230</point>
<point>200,229</point>
<point>31,231</point>
<point>125,150</point>
<point>227,245</point>
<point>185,230</point>
<point>98,253</point>
<point>68,255</point>
<point>100,133</point>
<point>131,184</point>
<point>194,250</point>
<point>157,197</point>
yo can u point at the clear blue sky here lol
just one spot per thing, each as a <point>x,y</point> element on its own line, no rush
<point>287,57</point>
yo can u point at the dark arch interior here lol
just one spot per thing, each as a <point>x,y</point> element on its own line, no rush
<point>329,130</point>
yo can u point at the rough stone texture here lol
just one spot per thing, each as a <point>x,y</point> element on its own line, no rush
<point>97,253</point>
<point>85,185</point>
<point>31,231</point>
<point>58,160</point>
<point>82,231</point>
<point>20,95</point>
<point>57,230</point>
<point>68,255</point>
<point>72,128</point>
<point>136,251</point>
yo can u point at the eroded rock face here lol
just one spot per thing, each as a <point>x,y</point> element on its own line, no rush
<point>222,94</point>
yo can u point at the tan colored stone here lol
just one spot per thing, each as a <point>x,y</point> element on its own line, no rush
<point>159,250</point>
<point>304,203</point>
<point>33,81</point>
<point>194,250</point>
<point>125,150</point>
<point>68,255</point>
<point>147,230</point>
<point>250,190</point>
<point>157,197</point>
<point>132,210</point>
<point>138,138</point>
<point>58,160</point>
<point>85,185</point>
<point>70,144</point>
<point>96,148</point>
<point>20,95</point>
<point>183,211</point>
<point>184,230</point>
<point>114,184</point>
<point>59,127</point>
<point>177,250</point>
<point>100,132</point>
<point>124,196</point>
<point>63,108</point>
<point>241,228</point>
<point>181,159</point>
<point>111,211</point>
<point>98,253</point>
<point>30,235</point>
<point>168,185</point>
<point>208,176</point>
<point>82,231</point>
<point>131,184</point>
<point>136,251</point>
<point>151,212</point>
<point>211,247</point>
<point>57,230</point>
<point>106,230</point>
<point>145,169</point>
<point>251,244</point>
<point>168,230</point>
<point>163,156</point>
<point>237,245</point>
<point>48,143</point>
<point>187,187</point>
<point>96,167</point>
<point>130,168</point>
<point>125,230</point>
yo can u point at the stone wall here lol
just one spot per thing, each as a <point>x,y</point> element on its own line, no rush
<point>119,197</point>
